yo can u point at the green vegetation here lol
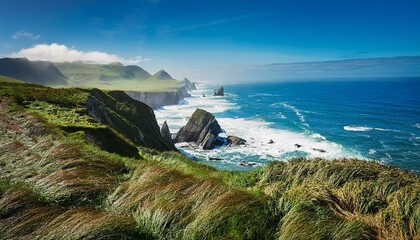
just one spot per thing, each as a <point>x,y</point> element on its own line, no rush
<point>31,92</point>
<point>4,79</point>
<point>56,184</point>
<point>115,76</point>
<point>40,72</point>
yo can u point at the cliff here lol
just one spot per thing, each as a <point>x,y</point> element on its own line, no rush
<point>133,119</point>
<point>99,115</point>
<point>158,99</point>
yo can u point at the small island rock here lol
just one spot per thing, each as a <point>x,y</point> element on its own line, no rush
<point>219,92</point>
<point>235,141</point>
<point>202,128</point>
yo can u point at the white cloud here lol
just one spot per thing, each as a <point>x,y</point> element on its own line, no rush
<point>61,53</point>
<point>23,34</point>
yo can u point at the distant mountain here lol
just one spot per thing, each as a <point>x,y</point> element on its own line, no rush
<point>162,75</point>
<point>39,72</point>
<point>113,76</point>
<point>91,74</point>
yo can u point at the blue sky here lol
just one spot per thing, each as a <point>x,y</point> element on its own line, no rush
<point>179,34</point>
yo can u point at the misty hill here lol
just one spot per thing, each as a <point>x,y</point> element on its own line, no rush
<point>162,75</point>
<point>80,74</point>
<point>40,72</point>
<point>116,76</point>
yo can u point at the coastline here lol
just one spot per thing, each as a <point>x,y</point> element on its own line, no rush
<point>300,114</point>
<point>258,151</point>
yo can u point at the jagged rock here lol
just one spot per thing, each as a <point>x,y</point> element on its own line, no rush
<point>319,150</point>
<point>166,134</point>
<point>189,85</point>
<point>271,141</point>
<point>202,128</point>
<point>219,92</point>
<point>235,141</point>
<point>158,99</point>
<point>133,119</point>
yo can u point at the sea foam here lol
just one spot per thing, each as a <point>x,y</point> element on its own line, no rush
<point>264,142</point>
<point>365,129</point>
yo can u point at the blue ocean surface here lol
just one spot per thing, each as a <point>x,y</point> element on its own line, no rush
<point>370,119</point>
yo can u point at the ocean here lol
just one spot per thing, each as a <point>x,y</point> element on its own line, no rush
<point>368,119</point>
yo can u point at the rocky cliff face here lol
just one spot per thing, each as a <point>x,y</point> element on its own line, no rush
<point>158,99</point>
<point>189,85</point>
<point>133,119</point>
<point>202,128</point>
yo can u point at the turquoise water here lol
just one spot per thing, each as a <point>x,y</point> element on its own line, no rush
<point>378,120</point>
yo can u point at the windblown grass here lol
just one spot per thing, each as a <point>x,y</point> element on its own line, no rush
<point>169,203</point>
<point>386,200</point>
<point>56,185</point>
<point>58,168</point>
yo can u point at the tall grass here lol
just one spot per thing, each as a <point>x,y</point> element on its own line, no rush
<point>169,203</point>
<point>382,199</point>
<point>56,185</point>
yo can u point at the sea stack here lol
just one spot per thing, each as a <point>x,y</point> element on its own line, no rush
<point>219,92</point>
<point>189,85</point>
<point>202,128</point>
<point>166,134</point>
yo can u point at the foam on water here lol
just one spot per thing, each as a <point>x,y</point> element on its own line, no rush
<point>297,112</point>
<point>365,129</point>
<point>257,132</point>
<point>357,129</point>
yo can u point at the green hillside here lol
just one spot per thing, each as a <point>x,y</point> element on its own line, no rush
<point>57,181</point>
<point>9,80</point>
<point>115,76</point>
<point>40,72</point>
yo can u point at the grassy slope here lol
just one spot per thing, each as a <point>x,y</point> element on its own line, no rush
<point>114,76</point>
<point>5,79</point>
<point>56,185</point>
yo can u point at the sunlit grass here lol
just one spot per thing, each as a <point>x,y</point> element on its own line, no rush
<point>56,185</point>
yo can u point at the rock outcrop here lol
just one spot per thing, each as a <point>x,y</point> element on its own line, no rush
<point>166,134</point>
<point>235,141</point>
<point>202,128</point>
<point>158,99</point>
<point>133,119</point>
<point>189,85</point>
<point>219,92</point>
